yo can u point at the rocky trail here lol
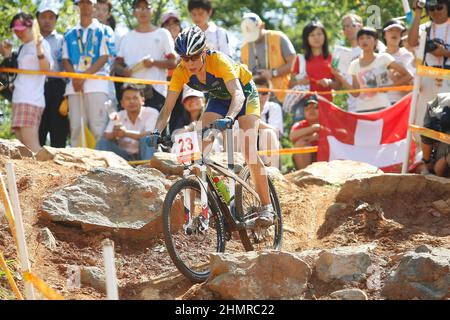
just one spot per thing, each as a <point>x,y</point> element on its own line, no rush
<point>351,232</point>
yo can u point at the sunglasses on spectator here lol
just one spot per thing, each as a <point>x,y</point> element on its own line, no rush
<point>439,7</point>
<point>347,26</point>
<point>194,57</point>
<point>142,9</point>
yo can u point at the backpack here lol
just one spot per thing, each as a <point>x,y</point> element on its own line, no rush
<point>7,79</point>
<point>437,116</point>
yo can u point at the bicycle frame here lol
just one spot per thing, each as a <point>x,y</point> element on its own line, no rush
<point>207,185</point>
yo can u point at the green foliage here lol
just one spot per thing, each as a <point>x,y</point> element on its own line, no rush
<point>5,121</point>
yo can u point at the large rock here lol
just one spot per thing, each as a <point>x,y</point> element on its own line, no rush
<point>82,158</point>
<point>125,201</point>
<point>390,184</point>
<point>14,149</point>
<point>334,172</point>
<point>423,274</point>
<point>347,264</point>
<point>258,275</point>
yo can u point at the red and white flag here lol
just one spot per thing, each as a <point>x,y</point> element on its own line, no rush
<point>377,138</point>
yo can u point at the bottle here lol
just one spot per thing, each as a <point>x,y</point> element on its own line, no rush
<point>223,189</point>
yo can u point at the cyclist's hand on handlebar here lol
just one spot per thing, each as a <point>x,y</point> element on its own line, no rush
<point>153,139</point>
<point>225,123</point>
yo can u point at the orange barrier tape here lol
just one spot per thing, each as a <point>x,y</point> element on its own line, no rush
<point>84,76</point>
<point>431,72</point>
<point>436,135</point>
<point>41,286</point>
<point>288,151</point>
<point>9,277</point>
<point>383,89</point>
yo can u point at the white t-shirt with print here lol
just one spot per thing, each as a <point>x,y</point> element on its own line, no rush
<point>30,88</point>
<point>437,31</point>
<point>217,38</point>
<point>158,44</point>
<point>404,58</point>
<point>273,114</point>
<point>374,75</point>
<point>145,122</point>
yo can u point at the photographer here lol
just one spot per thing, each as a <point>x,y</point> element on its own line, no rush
<point>436,157</point>
<point>437,50</point>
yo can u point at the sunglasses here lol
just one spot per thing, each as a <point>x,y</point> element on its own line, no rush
<point>194,57</point>
<point>439,7</point>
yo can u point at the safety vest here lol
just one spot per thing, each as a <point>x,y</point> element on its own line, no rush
<point>275,60</point>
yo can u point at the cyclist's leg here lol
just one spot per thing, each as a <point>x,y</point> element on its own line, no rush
<point>249,125</point>
<point>207,119</point>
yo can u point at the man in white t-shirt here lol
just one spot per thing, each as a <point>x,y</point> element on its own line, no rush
<point>271,124</point>
<point>147,53</point>
<point>216,37</point>
<point>437,49</point>
<point>351,24</point>
<point>126,130</point>
<point>86,50</point>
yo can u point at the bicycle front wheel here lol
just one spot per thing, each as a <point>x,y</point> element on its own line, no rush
<point>188,242</point>
<point>247,205</point>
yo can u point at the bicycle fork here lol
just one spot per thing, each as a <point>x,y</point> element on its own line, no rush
<point>202,222</point>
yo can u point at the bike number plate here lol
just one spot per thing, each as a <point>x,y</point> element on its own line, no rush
<point>186,147</point>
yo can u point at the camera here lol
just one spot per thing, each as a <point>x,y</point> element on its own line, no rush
<point>433,44</point>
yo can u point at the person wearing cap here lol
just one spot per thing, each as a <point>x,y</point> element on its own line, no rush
<point>258,42</point>
<point>305,133</point>
<point>201,12</point>
<point>437,50</point>
<point>271,126</point>
<point>351,23</point>
<point>193,104</point>
<point>172,22</point>
<point>53,122</point>
<point>392,34</point>
<point>147,52</point>
<point>28,100</point>
<point>371,71</point>
<point>87,49</point>
<point>126,130</point>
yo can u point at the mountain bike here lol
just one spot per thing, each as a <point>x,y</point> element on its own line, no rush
<point>211,208</point>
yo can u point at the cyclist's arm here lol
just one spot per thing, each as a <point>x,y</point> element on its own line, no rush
<point>238,98</point>
<point>166,111</point>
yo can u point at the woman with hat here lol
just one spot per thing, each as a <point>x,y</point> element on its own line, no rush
<point>392,34</point>
<point>28,96</point>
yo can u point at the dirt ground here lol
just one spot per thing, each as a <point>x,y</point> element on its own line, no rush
<point>310,223</point>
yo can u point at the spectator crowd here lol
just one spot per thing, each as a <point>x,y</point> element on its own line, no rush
<point>117,116</point>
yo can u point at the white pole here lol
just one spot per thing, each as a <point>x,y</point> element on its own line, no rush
<point>20,230</point>
<point>415,98</point>
<point>112,291</point>
<point>83,134</point>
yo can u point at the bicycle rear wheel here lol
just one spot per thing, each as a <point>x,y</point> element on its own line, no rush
<point>247,206</point>
<point>189,248</point>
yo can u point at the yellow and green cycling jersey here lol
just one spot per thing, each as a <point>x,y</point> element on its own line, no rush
<point>220,69</point>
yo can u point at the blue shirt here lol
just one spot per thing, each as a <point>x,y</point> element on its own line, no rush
<point>56,40</point>
<point>84,46</point>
